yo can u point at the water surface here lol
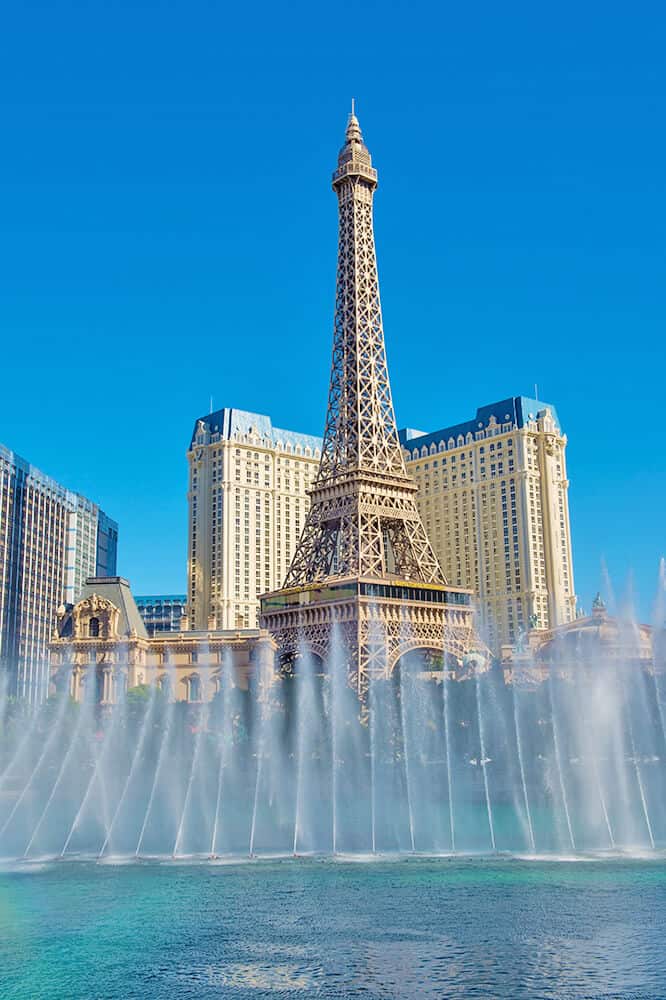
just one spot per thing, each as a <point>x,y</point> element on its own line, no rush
<point>487,928</point>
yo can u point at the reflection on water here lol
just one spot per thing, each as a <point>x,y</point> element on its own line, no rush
<point>500,928</point>
<point>255,976</point>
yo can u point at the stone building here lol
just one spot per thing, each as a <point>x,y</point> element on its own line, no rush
<point>101,648</point>
<point>598,641</point>
<point>493,498</point>
<point>247,505</point>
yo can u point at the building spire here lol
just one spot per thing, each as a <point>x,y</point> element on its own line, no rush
<point>354,158</point>
<point>353,133</point>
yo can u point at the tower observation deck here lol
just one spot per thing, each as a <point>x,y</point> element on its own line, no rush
<point>364,564</point>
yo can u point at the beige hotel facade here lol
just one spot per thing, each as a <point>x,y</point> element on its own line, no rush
<point>492,496</point>
<point>247,498</point>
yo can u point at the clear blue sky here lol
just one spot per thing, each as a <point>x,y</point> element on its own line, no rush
<point>169,232</point>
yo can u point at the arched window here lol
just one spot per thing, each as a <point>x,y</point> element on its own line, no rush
<point>195,688</point>
<point>93,628</point>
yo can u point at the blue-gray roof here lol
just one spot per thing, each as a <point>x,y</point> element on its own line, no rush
<point>517,410</point>
<point>117,590</point>
<point>230,422</point>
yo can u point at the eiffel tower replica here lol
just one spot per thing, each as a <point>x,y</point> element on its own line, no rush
<point>364,566</point>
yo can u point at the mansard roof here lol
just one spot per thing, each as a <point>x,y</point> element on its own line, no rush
<point>516,410</point>
<point>117,590</point>
<point>230,423</point>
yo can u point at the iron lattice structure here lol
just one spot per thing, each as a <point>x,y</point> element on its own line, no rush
<point>363,519</point>
<point>363,527</point>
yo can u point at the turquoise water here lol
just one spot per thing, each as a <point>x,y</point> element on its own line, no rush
<point>487,928</point>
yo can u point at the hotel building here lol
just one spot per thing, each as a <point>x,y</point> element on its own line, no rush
<point>247,500</point>
<point>51,539</point>
<point>493,497</point>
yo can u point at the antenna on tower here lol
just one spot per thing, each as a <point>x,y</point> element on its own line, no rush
<point>352,110</point>
<point>536,392</point>
<point>211,405</point>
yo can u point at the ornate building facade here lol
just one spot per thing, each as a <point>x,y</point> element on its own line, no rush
<point>493,495</point>
<point>100,649</point>
<point>51,539</point>
<point>247,498</point>
<point>364,569</point>
<point>598,642</point>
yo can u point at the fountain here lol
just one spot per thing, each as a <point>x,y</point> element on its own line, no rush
<point>564,759</point>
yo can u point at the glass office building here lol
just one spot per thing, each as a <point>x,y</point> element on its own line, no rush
<point>162,612</point>
<point>51,540</point>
